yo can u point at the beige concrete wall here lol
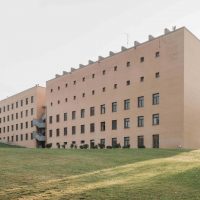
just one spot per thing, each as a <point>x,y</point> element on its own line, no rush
<point>191,91</point>
<point>169,85</point>
<point>38,94</point>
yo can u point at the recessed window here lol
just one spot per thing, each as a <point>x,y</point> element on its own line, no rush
<point>92,127</point>
<point>73,130</point>
<point>73,115</point>
<point>65,116</point>
<point>83,79</point>
<point>51,90</point>
<point>141,59</point>
<point>128,64</point>
<point>103,89</point>
<point>57,118</point>
<point>58,87</point>
<point>82,129</point>
<point>115,86</point>
<point>66,84</point>
<point>157,74</point>
<point>83,95</point>
<point>104,72</point>
<point>157,54</point>
<point>51,104</point>
<point>141,102</point>
<point>74,82</point>
<point>58,101</point>
<point>93,92</point>
<point>114,106</point>
<point>141,121</point>
<point>142,79</point>
<point>127,123</point>
<point>93,75</point>
<point>115,68</point>
<point>127,104</point>
<point>57,132</point>
<point>155,99</point>
<point>66,99</point>
<point>128,82</point>
<point>65,131</point>
<point>103,126</point>
<point>92,111</point>
<point>74,97</point>
<point>82,113</point>
<point>155,119</point>
<point>114,124</point>
<point>103,109</point>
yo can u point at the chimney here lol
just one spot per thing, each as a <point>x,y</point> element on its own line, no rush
<point>57,75</point>
<point>166,31</point>
<point>81,66</point>
<point>123,48</point>
<point>64,72</point>
<point>100,58</point>
<point>72,69</point>
<point>151,37</point>
<point>136,43</point>
<point>111,53</point>
<point>90,62</point>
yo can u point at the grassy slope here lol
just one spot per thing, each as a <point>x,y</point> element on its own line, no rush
<point>99,174</point>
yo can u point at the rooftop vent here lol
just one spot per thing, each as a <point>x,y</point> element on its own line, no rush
<point>151,37</point>
<point>90,62</point>
<point>72,69</point>
<point>166,31</point>
<point>136,43</point>
<point>57,75</point>
<point>100,58</point>
<point>123,48</point>
<point>81,66</point>
<point>64,72</point>
<point>111,53</point>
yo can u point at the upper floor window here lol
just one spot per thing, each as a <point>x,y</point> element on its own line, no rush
<point>142,79</point>
<point>66,85</point>
<point>26,101</point>
<point>58,87</point>
<point>115,68</point>
<point>127,104</point>
<point>115,86</point>
<point>104,72</point>
<point>82,129</point>
<point>51,90</point>
<point>114,124</point>
<point>127,123</point>
<point>93,75</point>
<point>155,119</point>
<point>92,111</point>
<point>74,82</point>
<point>82,113</point>
<point>83,79</point>
<point>140,102</point>
<point>128,82</point>
<point>103,109</point>
<point>73,115</point>
<point>21,102</point>
<point>73,130</point>
<point>141,59</point>
<point>32,99</point>
<point>156,98</point>
<point>50,119</point>
<point>103,89</point>
<point>128,64</point>
<point>103,126</point>
<point>65,116</point>
<point>93,92</point>
<point>57,118</point>
<point>140,121</point>
<point>157,75</point>
<point>92,127</point>
<point>114,106</point>
<point>157,54</point>
<point>83,95</point>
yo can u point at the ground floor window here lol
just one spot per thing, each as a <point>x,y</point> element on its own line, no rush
<point>156,142</point>
<point>126,141</point>
<point>92,144</point>
<point>141,141</point>
<point>114,142</point>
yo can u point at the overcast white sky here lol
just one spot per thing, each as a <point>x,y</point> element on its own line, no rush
<point>40,38</point>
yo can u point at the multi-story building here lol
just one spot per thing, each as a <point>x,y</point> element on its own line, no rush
<point>21,118</point>
<point>147,95</point>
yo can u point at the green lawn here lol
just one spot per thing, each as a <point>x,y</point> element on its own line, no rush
<point>99,174</point>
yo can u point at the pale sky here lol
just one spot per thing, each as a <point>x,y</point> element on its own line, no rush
<point>41,38</point>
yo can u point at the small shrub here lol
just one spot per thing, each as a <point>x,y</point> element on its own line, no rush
<point>101,146</point>
<point>72,146</point>
<point>49,145</point>
<point>126,147</point>
<point>85,146</point>
<point>109,147</point>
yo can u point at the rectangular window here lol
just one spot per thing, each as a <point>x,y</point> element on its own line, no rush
<point>114,106</point>
<point>142,79</point>
<point>65,116</point>
<point>92,111</point>
<point>16,138</point>
<point>82,113</point>
<point>92,127</point>
<point>73,115</point>
<point>103,126</point>
<point>114,124</point>
<point>32,99</point>
<point>82,129</point>
<point>21,103</point>
<point>57,132</point>
<point>127,123</point>
<point>156,141</point>
<point>141,142</point>
<point>26,136</point>
<point>57,118</point>
<point>32,111</point>
<point>128,82</point>
<point>157,54</point>
<point>102,141</point>
<point>157,75</point>
<point>141,121</point>
<point>65,131</point>
<point>21,137</point>
<point>128,64</point>
<point>50,133</point>
<point>127,104</point>
<point>155,99</point>
<point>26,101</point>
<point>141,59</point>
<point>140,102</point>
<point>155,119</point>
<point>114,142</point>
<point>50,119</point>
<point>103,109</point>
<point>126,141</point>
<point>73,130</point>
